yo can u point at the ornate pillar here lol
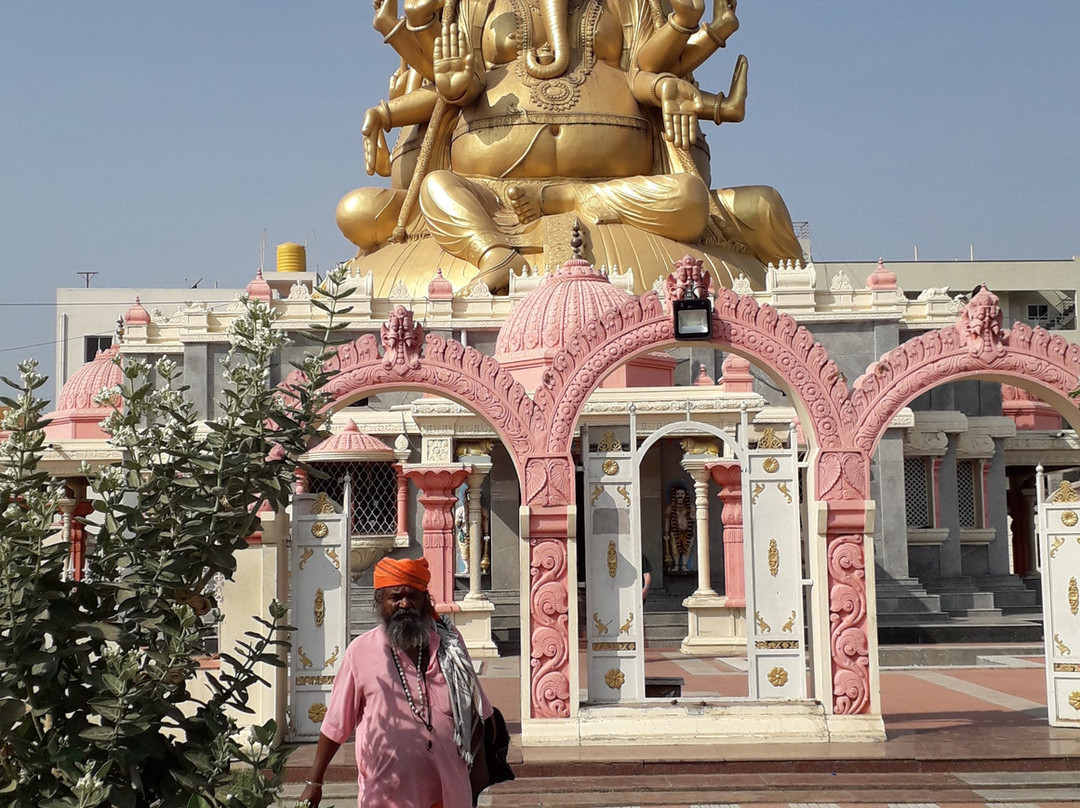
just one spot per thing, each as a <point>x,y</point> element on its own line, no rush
<point>715,626</point>
<point>474,618</point>
<point>728,475</point>
<point>437,486</point>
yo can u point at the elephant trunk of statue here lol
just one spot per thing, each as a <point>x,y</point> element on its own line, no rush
<point>555,21</point>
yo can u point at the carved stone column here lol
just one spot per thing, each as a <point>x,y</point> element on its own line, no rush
<point>713,624</point>
<point>437,485</point>
<point>728,476</point>
<point>474,618</point>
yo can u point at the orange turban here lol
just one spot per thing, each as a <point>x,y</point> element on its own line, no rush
<point>412,572</point>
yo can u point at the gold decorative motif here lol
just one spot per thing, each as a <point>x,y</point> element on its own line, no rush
<point>774,558</point>
<point>1074,596</point>
<point>778,677</point>
<point>485,560</point>
<point>699,446</point>
<point>317,712</point>
<point>1062,648</point>
<point>758,488</point>
<point>1060,540</point>
<point>771,465</point>
<point>1069,519</point>
<point>1065,493</point>
<point>789,626</point>
<point>783,489</point>
<point>304,658</point>
<point>777,645</point>
<point>331,553</point>
<point>609,443</point>
<point>320,607</point>
<point>322,504</point>
<point>1066,667</point>
<point>610,467</point>
<point>304,556</point>
<point>625,627</point>
<point>1074,699</point>
<point>763,627</point>
<point>624,493</point>
<point>614,678</point>
<point>614,646</point>
<point>769,440</point>
<point>306,681</point>
<point>319,530</point>
<point>612,559</point>
<point>330,660</point>
<point>597,492</point>
<point>601,626</point>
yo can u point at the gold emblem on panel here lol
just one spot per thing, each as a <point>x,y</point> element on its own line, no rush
<point>1074,699</point>
<point>770,440</point>
<point>1065,493</point>
<point>614,678</point>
<point>317,712</point>
<point>319,530</point>
<point>320,607</point>
<point>612,559</point>
<point>1074,596</point>
<point>610,467</point>
<point>774,558</point>
<point>771,465</point>
<point>778,677</point>
<point>322,504</point>
<point>1069,519</point>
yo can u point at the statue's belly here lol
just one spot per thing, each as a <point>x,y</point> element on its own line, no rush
<point>506,133</point>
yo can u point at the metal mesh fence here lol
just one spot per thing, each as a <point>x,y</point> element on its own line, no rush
<point>374,494</point>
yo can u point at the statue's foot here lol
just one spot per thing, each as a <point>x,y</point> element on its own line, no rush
<point>525,202</point>
<point>495,267</point>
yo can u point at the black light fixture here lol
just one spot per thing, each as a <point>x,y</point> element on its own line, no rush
<point>693,318</point>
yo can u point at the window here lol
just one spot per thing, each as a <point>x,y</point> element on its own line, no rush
<point>1038,314</point>
<point>93,345</point>
<point>917,492</point>
<point>374,494</point>
<point>968,493</point>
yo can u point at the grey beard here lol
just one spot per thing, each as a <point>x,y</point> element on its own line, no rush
<point>407,630</point>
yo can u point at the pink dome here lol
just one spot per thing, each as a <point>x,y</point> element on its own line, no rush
<point>440,288</point>
<point>137,314</point>
<point>351,444</point>
<point>546,318</point>
<point>82,388</point>
<point>259,289</point>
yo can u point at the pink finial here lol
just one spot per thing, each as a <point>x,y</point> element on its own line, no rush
<point>259,289</point>
<point>137,315</point>
<point>881,278</point>
<point>440,288</point>
<point>703,378</point>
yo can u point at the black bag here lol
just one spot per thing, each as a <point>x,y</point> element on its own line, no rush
<point>490,746</point>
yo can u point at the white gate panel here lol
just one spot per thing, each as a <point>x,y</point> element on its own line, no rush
<point>1059,544</point>
<point>319,599</point>
<point>614,619</point>
<point>774,593</point>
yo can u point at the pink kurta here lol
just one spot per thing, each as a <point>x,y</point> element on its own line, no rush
<point>396,768</point>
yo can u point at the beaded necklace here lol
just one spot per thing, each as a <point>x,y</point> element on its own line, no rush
<point>423,713</point>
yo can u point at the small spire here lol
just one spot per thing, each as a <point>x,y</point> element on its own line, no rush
<point>575,240</point>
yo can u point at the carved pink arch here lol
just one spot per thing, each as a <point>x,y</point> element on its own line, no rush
<point>440,366</point>
<point>976,345</point>
<point>740,325</point>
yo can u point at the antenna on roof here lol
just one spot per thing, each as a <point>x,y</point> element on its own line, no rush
<point>87,276</point>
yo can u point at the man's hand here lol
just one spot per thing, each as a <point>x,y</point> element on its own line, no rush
<point>453,64</point>
<point>687,13</point>
<point>376,152</point>
<point>679,101</point>
<point>724,22</point>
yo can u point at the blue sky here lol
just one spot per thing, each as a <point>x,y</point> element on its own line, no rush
<point>154,143</point>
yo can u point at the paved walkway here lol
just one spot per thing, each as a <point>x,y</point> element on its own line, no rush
<point>970,734</point>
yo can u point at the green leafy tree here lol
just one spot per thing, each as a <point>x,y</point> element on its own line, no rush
<point>97,704</point>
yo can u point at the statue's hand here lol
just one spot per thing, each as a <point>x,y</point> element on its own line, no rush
<point>724,22</point>
<point>376,152</point>
<point>452,62</point>
<point>687,13</point>
<point>386,16</point>
<point>679,102</point>
<point>421,12</point>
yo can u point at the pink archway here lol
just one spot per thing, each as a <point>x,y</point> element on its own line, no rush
<point>843,424</point>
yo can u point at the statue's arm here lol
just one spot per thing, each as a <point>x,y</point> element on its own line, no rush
<point>456,77</point>
<point>679,47</point>
<point>414,44</point>
<point>405,110</point>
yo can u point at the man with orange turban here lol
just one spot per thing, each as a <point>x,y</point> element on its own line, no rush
<point>408,689</point>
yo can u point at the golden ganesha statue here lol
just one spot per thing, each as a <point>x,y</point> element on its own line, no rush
<point>518,116</point>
